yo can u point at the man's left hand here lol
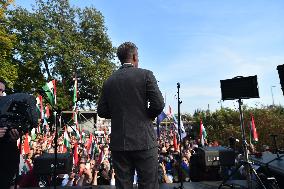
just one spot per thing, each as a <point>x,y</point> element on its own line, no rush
<point>14,134</point>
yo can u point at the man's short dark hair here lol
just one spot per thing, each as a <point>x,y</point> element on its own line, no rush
<point>125,51</point>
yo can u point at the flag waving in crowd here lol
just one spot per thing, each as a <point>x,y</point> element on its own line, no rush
<point>50,90</point>
<point>202,134</point>
<point>171,115</point>
<point>160,118</point>
<point>253,130</point>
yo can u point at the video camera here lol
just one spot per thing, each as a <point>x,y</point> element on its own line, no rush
<point>18,111</point>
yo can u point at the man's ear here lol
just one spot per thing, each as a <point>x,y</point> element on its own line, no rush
<point>134,57</point>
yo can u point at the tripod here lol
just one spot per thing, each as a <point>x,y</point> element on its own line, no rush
<point>246,163</point>
<point>179,132</point>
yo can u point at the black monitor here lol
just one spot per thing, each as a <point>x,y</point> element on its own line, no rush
<point>280,69</point>
<point>239,88</point>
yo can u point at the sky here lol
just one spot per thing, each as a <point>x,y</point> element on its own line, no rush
<point>198,43</point>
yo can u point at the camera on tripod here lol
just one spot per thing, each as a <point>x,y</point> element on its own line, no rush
<point>18,111</point>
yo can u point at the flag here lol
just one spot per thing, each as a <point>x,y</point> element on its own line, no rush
<point>89,144</point>
<point>24,166</point>
<point>33,133</point>
<point>47,112</point>
<point>46,115</point>
<point>202,133</point>
<point>75,98</point>
<point>75,92</point>
<point>253,130</point>
<point>39,106</point>
<point>76,159</point>
<point>50,90</point>
<point>66,139</point>
<point>101,157</point>
<point>171,115</point>
<point>160,118</point>
<point>26,144</point>
<point>183,134</point>
<point>175,142</point>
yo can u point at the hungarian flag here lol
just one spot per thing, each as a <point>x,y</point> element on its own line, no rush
<point>39,106</point>
<point>46,115</point>
<point>253,130</point>
<point>33,133</point>
<point>89,144</point>
<point>50,90</point>
<point>101,157</point>
<point>202,133</point>
<point>26,144</point>
<point>75,92</point>
<point>76,158</point>
<point>175,143</point>
<point>66,139</point>
<point>75,98</point>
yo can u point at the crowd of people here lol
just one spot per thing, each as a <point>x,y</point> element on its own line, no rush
<point>92,158</point>
<point>130,154</point>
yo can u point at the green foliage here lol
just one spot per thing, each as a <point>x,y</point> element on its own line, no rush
<point>224,123</point>
<point>57,41</point>
<point>8,71</point>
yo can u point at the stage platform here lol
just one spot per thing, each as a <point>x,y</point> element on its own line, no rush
<point>187,185</point>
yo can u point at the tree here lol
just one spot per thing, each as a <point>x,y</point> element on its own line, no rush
<point>8,71</point>
<point>57,41</point>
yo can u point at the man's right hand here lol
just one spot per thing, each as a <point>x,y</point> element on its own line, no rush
<point>3,131</point>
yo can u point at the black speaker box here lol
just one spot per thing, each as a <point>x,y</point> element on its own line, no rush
<point>216,156</point>
<point>44,164</point>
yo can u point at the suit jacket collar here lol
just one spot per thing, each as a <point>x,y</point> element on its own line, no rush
<point>126,66</point>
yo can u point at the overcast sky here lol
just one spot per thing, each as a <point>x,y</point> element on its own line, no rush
<point>198,43</point>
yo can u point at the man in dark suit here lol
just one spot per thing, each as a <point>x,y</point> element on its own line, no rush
<point>131,99</point>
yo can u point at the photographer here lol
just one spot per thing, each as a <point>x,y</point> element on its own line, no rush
<point>9,158</point>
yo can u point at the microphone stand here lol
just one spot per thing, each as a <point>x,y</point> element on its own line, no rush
<point>179,132</point>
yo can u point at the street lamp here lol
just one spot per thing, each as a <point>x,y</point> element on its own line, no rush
<point>272,94</point>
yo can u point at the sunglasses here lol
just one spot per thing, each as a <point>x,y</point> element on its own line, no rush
<point>2,90</point>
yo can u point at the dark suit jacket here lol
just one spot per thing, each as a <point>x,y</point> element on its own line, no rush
<point>124,100</point>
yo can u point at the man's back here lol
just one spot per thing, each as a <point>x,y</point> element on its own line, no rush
<point>127,93</point>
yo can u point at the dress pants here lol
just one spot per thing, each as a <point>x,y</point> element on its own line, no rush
<point>144,161</point>
<point>9,163</point>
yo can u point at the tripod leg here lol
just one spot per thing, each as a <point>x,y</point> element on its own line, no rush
<point>228,177</point>
<point>257,177</point>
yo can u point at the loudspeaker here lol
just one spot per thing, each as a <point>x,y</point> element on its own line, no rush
<point>280,69</point>
<point>44,164</point>
<point>216,156</point>
<point>199,172</point>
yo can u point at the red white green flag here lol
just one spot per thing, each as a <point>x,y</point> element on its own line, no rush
<point>253,130</point>
<point>50,90</point>
<point>66,139</point>
<point>202,133</point>
<point>75,157</point>
<point>39,106</point>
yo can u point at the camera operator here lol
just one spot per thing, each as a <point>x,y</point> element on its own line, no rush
<point>9,158</point>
